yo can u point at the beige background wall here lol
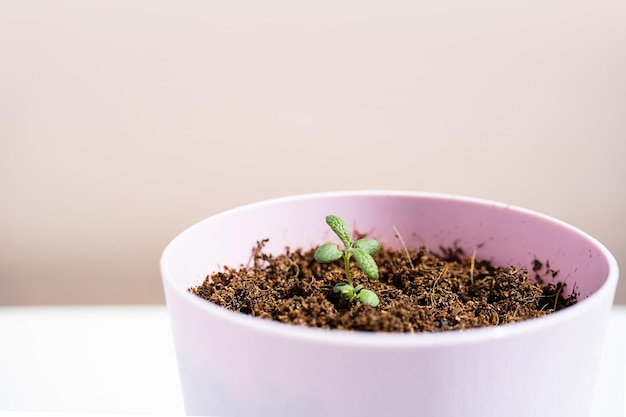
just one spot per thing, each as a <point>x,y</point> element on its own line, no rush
<point>123,122</point>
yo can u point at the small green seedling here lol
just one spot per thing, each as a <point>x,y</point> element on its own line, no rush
<point>362,250</point>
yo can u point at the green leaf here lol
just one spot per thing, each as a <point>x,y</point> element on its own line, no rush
<point>328,252</point>
<point>369,297</point>
<point>366,262</point>
<point>369,245</point>
<point>343,287</point>
<point>340,228</point>
<point>344,290</point>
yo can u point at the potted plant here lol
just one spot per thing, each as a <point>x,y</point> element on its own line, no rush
<point>232,364</point>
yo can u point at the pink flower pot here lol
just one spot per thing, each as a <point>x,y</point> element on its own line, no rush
<point>235,365</point>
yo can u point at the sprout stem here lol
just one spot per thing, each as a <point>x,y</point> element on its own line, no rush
<point>346,261</point>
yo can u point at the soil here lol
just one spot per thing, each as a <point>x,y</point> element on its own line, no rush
<point>419,291</point>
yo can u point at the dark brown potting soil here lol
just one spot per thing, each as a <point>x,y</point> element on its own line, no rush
<point>419,291</point>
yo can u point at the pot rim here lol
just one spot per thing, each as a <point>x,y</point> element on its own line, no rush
<point>398,340</point>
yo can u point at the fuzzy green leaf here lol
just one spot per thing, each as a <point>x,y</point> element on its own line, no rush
<point>369,245</point>
<point>369,297</point>
<point>343,287</point>
<point>328,252</point>
<point>366,262</point>
<point>344,290</point>
<point>340,228</point>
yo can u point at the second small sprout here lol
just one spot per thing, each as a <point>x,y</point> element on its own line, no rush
<point>362,250</point>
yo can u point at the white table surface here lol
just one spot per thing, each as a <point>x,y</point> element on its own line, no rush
<point>120,360</point>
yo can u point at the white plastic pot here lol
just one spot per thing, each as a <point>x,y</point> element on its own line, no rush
<point>235,365</point>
